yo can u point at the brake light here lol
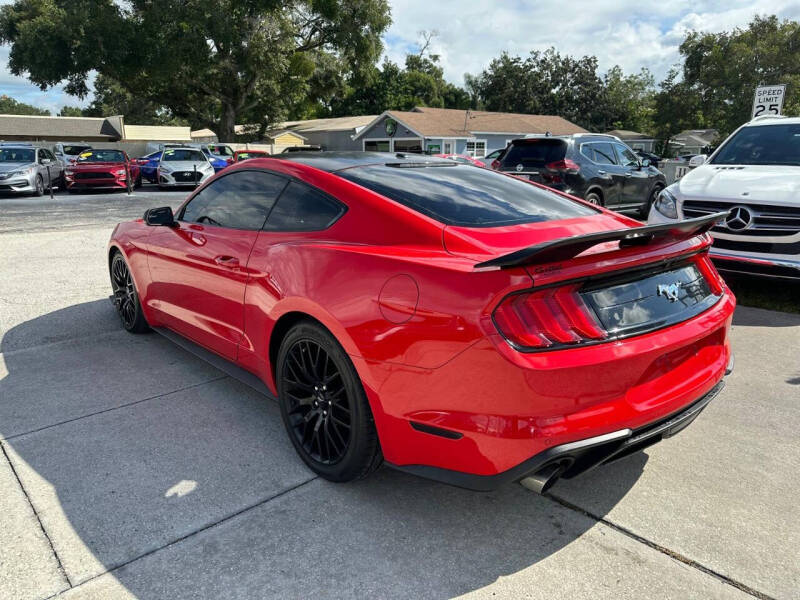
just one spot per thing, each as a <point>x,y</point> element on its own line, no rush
<point>495,164</point>
<point>547,319</point>
<point>564,166</point>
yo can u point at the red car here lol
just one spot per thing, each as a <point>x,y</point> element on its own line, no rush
<point>241,155</point>
<point>102,169</point>
<point>456,323</point>
<point>464,159</point>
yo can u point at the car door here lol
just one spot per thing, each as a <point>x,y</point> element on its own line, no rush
<point>199,269</point>
<point>636,181</point>
<point>610,174</point>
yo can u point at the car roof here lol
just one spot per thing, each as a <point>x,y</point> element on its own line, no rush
<point>773,120</point>
<point>336,161</point>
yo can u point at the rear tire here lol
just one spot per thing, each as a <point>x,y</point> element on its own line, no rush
<point>126,298</point>
<point>593,197</point>
<point>324,407</point>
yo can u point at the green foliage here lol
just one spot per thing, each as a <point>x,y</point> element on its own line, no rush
<point>111,98</point>
<point>10,106</point>
<point>211,62</point>
<point>721,71</point>
<point>71,111</point>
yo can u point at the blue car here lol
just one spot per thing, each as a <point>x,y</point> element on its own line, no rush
<point>149,165</point>
<point>219,155</point>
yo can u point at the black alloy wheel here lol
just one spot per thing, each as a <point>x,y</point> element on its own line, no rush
<point>594,198</point>
<point>126,300</point>
<point>324,407</point>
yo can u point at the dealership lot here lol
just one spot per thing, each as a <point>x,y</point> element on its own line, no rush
<point>130,468</point>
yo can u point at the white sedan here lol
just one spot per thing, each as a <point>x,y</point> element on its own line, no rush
<point>182,167</point>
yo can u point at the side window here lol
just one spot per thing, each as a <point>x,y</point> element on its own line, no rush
<point>626,157</point>
<point>586,150</point>
<point>604,154</point>
<point>241,200</point>
<point>301,208</point>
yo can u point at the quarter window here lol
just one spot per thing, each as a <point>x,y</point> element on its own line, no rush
<point>301,208</point>
<point>241,200</point>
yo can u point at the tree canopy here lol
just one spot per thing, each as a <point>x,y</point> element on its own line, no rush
<point>212,62</point>
<point>10,106</point>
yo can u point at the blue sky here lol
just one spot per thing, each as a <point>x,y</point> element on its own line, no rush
<point>631,33</point>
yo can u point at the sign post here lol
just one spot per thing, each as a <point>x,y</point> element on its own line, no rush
<point>768,100</point>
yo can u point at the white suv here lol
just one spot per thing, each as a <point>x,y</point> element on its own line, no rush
<point>754,176</point>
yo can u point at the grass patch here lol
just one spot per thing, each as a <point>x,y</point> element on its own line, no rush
<point>764,292</point>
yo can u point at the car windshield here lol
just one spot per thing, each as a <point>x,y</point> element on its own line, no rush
<point>762,145</point>
<point>17,155</point>
<point>220,150</point>
<point>101,156</point>
<point>246,155</point>
<point>183,154</point>
<point>73,150</point>
<point>463,195</point>
<point>535,153</point>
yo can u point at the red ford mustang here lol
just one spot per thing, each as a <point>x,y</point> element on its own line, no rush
<point>100,168</point>
<point>455,322</point>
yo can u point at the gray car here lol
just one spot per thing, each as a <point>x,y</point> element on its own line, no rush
<point>27,169</point>
<point>182,167</point>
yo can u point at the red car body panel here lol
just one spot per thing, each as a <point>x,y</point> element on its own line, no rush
<point>102,175</point>
<point>400,293</point>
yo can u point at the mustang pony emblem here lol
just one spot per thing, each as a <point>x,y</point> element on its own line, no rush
<point>671,290</point>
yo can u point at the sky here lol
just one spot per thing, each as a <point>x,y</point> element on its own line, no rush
<point>629,33</point>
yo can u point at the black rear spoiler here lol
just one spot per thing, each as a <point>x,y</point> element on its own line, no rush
<point>567,248</point>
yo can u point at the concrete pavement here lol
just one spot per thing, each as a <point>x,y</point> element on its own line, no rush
<point>129,468</point>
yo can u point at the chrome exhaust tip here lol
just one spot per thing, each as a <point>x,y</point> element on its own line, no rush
<point>543,479</point>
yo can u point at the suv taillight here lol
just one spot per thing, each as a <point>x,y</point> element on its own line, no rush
<point>564,166</point>
<point>495,164</point>
<point>548,318</point>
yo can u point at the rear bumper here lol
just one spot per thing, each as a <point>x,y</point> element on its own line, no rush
<point>574,458</point>
<point>767,266</point>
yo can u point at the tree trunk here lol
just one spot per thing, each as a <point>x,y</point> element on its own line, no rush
<point>227,124</point>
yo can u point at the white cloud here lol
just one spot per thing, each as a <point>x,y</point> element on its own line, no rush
<point>630,33</point>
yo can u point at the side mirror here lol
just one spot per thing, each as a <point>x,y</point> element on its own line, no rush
<point>645,162</point>
<point>698,160</point>
<point>160,216</point>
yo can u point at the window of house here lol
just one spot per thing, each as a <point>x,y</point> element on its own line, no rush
<point>476,148</point>
<point>377,146</point>
<point>414,146</point>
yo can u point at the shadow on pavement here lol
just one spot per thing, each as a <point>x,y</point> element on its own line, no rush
<point>747,316</point>
<point>126,444</point>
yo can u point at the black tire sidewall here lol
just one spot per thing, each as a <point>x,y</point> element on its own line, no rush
<point>39,185</point>
<point>139,323</point>
<point>594,194</point>
<point>361,451</point>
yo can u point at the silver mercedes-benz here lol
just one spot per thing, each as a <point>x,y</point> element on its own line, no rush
<point>27,169</point>
<point>183,166</point>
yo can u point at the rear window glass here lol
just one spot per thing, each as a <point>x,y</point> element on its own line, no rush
<point>535,153</point>
<point>463,195</point>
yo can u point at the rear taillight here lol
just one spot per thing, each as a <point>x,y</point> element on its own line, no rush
<point>547,319</point>
<point>564,166</point>
<point>495,164</point>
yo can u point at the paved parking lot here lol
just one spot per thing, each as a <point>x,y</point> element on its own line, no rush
<point>129,468</point>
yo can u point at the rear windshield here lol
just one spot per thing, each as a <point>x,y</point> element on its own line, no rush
<point>463,195</point>
<point>762,145</point>
<point>535,153</point>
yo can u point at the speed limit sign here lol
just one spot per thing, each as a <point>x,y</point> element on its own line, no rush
<point>768,100</point>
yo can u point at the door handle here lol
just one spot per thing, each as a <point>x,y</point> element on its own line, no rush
<point>601,172</point>
<point>628,174</point>
<point>230,262</point>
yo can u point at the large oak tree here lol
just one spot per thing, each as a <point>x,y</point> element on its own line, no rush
<point>215,63</point>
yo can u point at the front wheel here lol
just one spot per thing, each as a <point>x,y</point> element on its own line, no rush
<point>324,407</point>
<point>38,186</point>
<point>126,298</point>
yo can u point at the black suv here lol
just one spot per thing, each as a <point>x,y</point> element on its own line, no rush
<point>598,168</point>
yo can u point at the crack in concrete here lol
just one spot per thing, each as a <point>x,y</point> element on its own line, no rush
<point>191,534</point>
<point>61,569</point>
<point>659,548</point>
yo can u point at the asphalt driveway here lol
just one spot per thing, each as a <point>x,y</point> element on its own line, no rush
<point>130,468</point>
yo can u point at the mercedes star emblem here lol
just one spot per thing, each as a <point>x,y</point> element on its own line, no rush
<point>519,167</point>
<point>739,218</point>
